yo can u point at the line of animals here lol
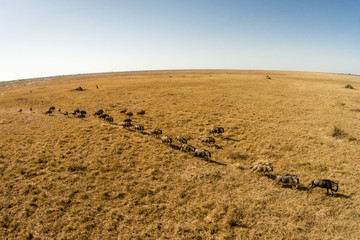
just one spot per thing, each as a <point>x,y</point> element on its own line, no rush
<point>292,180</point>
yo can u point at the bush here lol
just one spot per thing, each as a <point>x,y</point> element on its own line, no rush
<point>339,133</point>
<point>349,86</point>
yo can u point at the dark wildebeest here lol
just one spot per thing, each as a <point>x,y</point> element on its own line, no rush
<point>218,130</point>
<point>80,115</point>
<point>141,112</point>
<point>104,115</point>
<point>52,108</point>
<point>139,127</point>
<point>123,110</point>
<point>262,168</point>
<point>166,139</point>
<point>20,110</point>
<point>76,111</point>
<point>59,110</point>
<point>181,139</point>
<point>31,109</point>
<point>99,112</point>
<point>187,148</point>
<point>129,114</point>
<point>208,140</point>
<point>287,179</point>
<point>324,183</point>
<point>66,113</point>
<point>83,112</point>
<point>48,112</point>
<point>109,119</point>
<point>128,120</point>
<point>126,124</point>
<point>203,153</point>
<point>156,132</point>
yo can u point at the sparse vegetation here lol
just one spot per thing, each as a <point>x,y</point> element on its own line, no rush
<point>63,177</point>
<point>338,133</point>
<point>349,86</point>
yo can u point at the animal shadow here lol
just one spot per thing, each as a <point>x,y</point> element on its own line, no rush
<point>216,162</point>
<point>216,146</point>
<point>145,133</point>
<point>270,176</point>
<point>301,187</point>
<point>338,195</point>
<point>174,147</point>
<point>230,139</point>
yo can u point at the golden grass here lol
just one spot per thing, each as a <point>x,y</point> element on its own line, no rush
<point>68,178</point>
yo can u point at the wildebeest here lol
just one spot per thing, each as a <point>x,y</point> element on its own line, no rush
<point>126,124</point>
<point>104,115</point>
<point>289,179</point>
<point>187,148</point>
<point>139,127</point>
<point>129,114</point>
<point>324,183</point>
<point>203,153</point>
<point>59,110</point>
<point>218,130</point>
<point>31,109</point>
<point>123,110</point>
<point>156,132</point>
<point>141,112</point>
<point>52,108</point>
<point>80,115</point>
<point>208,140</point>
<point>99,112</point>
<point>20,110</point>
<point>181,139</point>
<point>83,112</point>
<point>66,113</point>
<point>109,118</point>
<point>128,120</point>
<point>48,112</point>
<point>262,168</point>
<point>166,139</point>
<point>76,111</point>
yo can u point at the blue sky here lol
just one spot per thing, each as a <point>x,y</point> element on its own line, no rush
<point>50,37</point>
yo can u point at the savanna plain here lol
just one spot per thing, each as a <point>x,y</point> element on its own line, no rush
<point>64,177</point>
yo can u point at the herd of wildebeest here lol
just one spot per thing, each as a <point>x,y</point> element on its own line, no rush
<point>288,179</point>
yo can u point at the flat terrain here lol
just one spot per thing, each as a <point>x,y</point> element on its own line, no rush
<point>62,177</point>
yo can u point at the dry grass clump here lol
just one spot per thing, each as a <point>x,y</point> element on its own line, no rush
<point>68,178</point>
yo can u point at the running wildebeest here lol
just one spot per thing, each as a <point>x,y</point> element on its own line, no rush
<point>109,118</point>
<point>48,112</point>
<point>203,153</point>
<point>83,112</point>
<point>324,183</point>
<point>126,124</point>
<point>156,132</point>
<point>262,168</point>
<point>99,112</point>
<point>123,110</point>
<point>139,127</point>
<point>141,112</point>
<point>166,139</point>
<point>208,140</point>
<point>52,108</point>
<point>66,113</point>
<point>218,130</point>
<point>129,114</point>
<point>187,148</point>
<point>288,179</point>
<point>104,115</point>
<point>181,139</point>
<point>128,120</point>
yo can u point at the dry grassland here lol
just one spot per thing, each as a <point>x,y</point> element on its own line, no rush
<point>68,178</point>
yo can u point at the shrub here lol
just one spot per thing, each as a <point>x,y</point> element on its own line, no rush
<point>339,133</point>
<point>349,86</point>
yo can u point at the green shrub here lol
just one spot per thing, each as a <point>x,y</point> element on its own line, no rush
<point>349,86</point>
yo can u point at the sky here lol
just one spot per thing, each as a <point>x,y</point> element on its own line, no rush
<point>40,38</point>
